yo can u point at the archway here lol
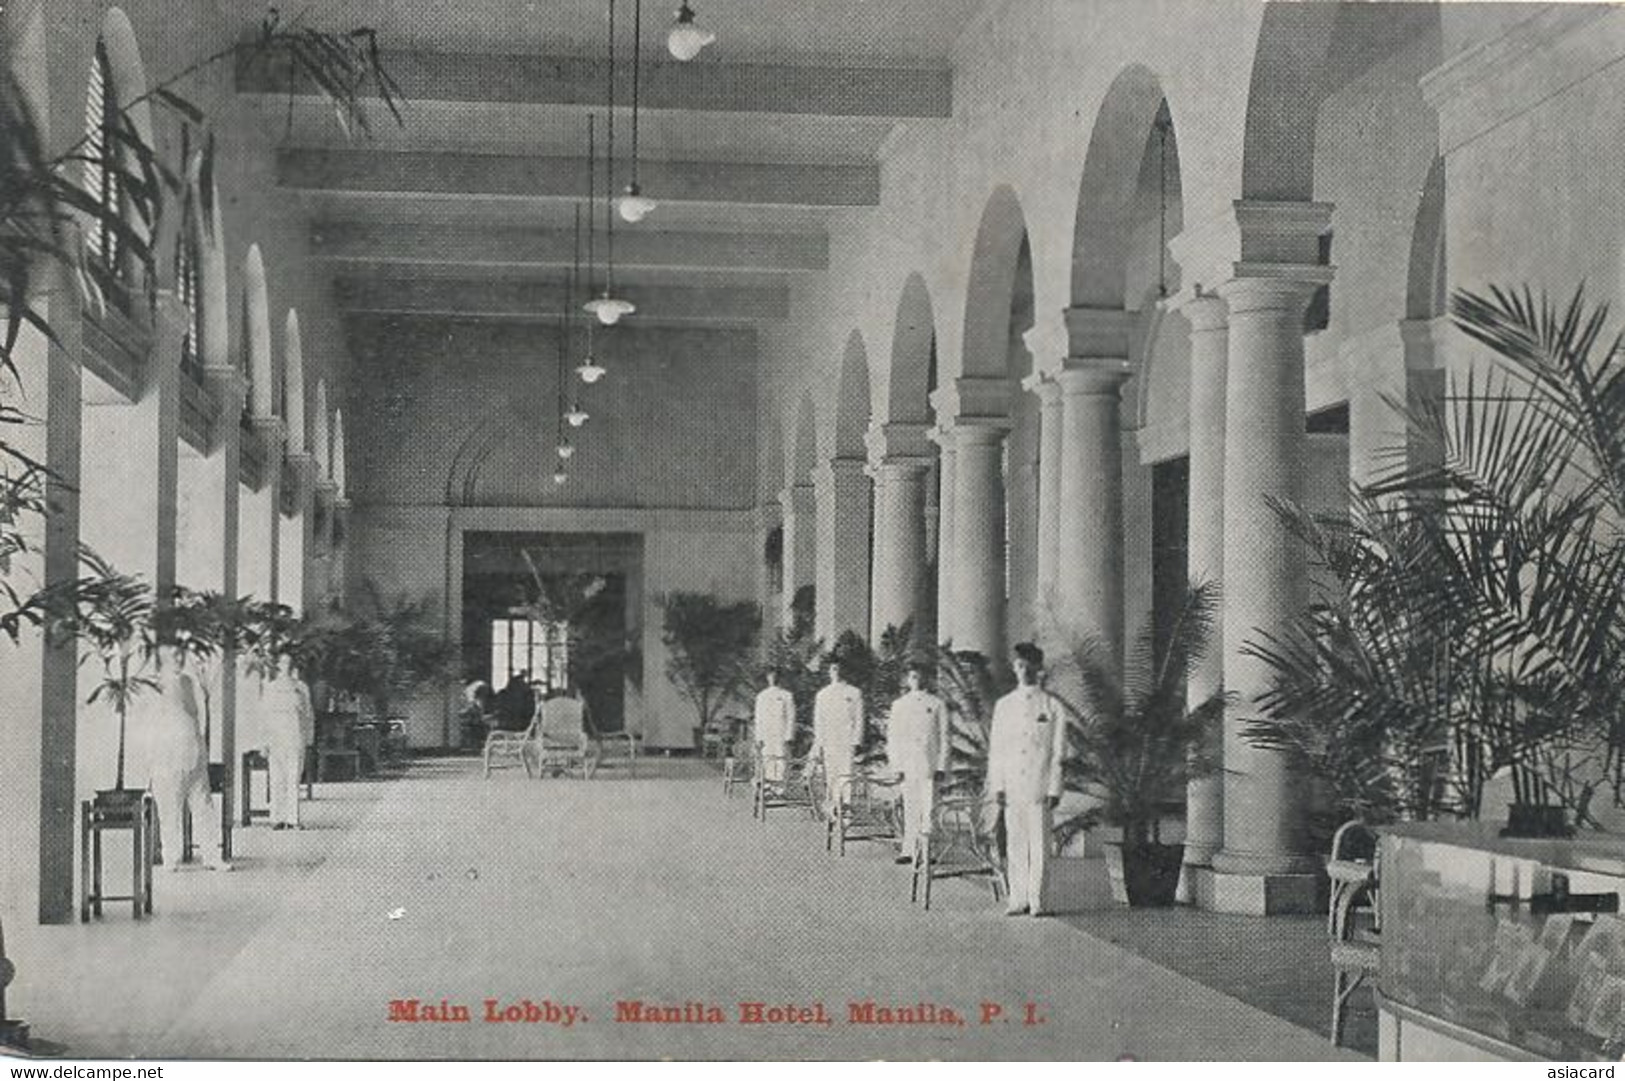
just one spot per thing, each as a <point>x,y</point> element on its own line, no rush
<point>993,479</point>
<point>799,596</point>
<point>845,504</point>
<point>908,486</point>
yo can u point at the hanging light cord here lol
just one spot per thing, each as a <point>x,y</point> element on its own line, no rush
<point>570,295</point>
<point>609,168</point>
<point>637,66</point>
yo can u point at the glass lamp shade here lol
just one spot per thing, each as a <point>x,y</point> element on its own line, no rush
<point>576,417</point>
<point>566,451</point>
<point>685,40</point>
<point>609,309</point>
<point>590,371</point>
<point>634,206</point>
<point>560,477</point>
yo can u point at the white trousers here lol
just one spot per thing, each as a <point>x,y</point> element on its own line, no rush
<point>837,774</point>
<point>285,763</point>
<point>177,791</point>
<point>1027,840</point>
<point>918,790</point>
<point>774,756</point>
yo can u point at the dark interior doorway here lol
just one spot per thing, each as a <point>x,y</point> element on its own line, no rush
<point>560,607</point>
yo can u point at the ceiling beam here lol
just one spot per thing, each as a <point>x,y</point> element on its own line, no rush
<point>537,301</point>
<point>442,173</point>
<point>830,90</point>
<point>442,245</point>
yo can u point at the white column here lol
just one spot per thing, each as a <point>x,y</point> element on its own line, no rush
<point>1089,575</point>
<point>1050,457</point>
<point>947,467</point>
<point>978,570</point>
<point>1264,566</point>
<point>899,556</point>
<point>800,543</point>
<point>843,494</point>
<point>1209,348</point>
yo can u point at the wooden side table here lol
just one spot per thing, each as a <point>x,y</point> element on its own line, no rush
<point>139,816</point>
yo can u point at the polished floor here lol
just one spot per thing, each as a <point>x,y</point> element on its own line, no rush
<point>443,887</point>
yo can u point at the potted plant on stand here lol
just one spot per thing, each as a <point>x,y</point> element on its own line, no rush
<point>112,613</point>
<point>1137,741</point>
<point>709,642</point>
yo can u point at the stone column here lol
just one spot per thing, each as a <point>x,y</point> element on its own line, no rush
<point>843,494</point>
<point>899,558</point>
<point>1050,457</point>
<point>1209,348</point>
<point>1089,572</point>
<point>948,479</point>
<point>800,543</point>
<point>226,385</point>
<point>1264,576</point>
<point>977,553</point>
<point>269,432</point>
<point>341,546</point>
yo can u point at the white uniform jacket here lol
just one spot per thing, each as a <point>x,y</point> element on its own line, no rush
<point>774,723</point>
<point>917,735</point>
<point>838,720</point>
<point>1027,746</point>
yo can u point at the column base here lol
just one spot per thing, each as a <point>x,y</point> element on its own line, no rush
<point>1253,894</point>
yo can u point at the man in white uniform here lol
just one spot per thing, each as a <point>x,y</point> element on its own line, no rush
<point>290,727</point>
<point>773,726</point>
<point>917,748</point>
<point>837,731</point>
<point>1026,749</point>
<point>180,762</point>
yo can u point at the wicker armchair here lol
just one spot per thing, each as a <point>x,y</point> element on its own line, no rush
<point>563,743</point>
<point>1352,919</point>
<point>957,846</point>
<point>502,748</point>
<point>785,782</point>
<point>866,808</point>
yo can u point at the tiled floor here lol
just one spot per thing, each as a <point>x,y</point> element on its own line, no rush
<point>588,894</point>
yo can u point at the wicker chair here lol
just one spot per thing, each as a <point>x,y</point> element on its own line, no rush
<point>1353,917</point>
<point>503,747</point>
<point>563,743</point>
<point>956,847</point>
<point>865,809</point>
<point>786,782</point>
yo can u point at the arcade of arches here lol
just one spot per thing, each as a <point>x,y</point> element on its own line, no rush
<point>945,306</point>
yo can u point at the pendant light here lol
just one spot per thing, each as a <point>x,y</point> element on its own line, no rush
<point>634,206</point>
<point>576,416</point>
<point>685,40</point>
<point>610,308</point>
<point>565,450</point>
<point>589,369</point>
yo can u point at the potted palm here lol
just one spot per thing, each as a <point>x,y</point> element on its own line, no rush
<point>1136,741</point>
<point>708,645</point>
<point>112,614</point>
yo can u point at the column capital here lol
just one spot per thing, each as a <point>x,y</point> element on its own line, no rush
<point>1098,333</point>
<point>898,469</point>
<point>979,434</point>
<point>1047,339</point>
<point>1092,378</point>
<point>327,491</point>
<point>1205,311</point>
<point>272,435</point>
<point>1045,385</point>
<point>896,438</point>
<point>1273,287</point>
<point>973,399</point>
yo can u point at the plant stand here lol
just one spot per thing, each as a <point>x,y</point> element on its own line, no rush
<point>136,813</point>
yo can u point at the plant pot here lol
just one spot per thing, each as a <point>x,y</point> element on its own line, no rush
<point>1536,820</point>
<point>1144,876</point>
